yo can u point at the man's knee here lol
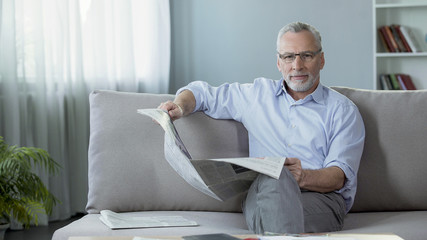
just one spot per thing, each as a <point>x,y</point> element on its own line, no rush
<point>323,212</point>
<point>274,205</point>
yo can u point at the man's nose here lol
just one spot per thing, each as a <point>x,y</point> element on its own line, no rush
<point>298,63</point>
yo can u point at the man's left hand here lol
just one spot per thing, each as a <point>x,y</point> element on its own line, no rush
<point>321,180</point>
<point>294,166</point>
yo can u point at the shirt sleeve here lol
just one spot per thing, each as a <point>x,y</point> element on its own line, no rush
<point>227,101</point>
<point>346,147</point>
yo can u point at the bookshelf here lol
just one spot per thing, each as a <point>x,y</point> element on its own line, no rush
<point>409,13</point>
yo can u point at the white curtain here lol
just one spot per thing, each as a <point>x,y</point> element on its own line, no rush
<point>53,53</point>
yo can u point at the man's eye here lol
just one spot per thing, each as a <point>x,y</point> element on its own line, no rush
<point>288,57</point>
<point>308,55</point>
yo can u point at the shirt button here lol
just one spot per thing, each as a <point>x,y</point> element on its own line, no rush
<point>293,126</point>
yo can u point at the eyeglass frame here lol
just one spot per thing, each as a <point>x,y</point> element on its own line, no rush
<point>303,58</point>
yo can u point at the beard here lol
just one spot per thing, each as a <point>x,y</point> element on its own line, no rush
<point>300,86</point>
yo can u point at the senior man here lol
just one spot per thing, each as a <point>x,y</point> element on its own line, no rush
<point>319,131</point>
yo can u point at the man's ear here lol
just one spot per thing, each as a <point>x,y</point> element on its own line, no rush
<point>278,64</point>
<point>322,60</point>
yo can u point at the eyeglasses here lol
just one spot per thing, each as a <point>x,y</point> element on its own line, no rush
<point>306,56</point>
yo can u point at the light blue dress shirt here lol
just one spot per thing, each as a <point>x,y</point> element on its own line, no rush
<point>324,129</point>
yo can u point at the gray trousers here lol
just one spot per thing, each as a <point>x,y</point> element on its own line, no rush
<point>280,206</point>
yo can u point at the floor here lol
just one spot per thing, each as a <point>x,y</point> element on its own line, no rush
<point>39,232</point>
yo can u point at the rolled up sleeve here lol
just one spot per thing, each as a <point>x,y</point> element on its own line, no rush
<point>346,147</point>
<point>227,101</point>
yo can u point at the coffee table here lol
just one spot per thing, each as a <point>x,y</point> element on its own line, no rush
<point>358,236</point>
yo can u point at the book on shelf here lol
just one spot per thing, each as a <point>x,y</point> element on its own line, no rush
<point>401,83</point>
<point>392,39</point>
<point>398,38</point>
<point>388,46</point>
<point>383,40</point>
<point>407,81</point>
<point>385,82</point>
<point>402,38</point>
<point>396,81</point>
<point>399,41</point>
<point>410,38</point>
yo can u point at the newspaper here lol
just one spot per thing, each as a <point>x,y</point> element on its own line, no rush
<point>122,220</point>
<point>220,178</point>
<point>309,237</point>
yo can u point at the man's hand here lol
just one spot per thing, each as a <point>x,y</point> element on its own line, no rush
<point>183,105</point>
<point>321,180</point>
<point>294,166</point>
<point>173,109</point>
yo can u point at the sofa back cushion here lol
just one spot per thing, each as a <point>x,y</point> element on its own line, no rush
<point>128,172</point>
<point>127,168</point>
<point>392,173</point>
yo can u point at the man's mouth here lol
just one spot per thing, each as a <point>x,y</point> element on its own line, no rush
<point>299,77</point>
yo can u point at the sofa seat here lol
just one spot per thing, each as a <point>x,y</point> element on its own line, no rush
<point>209,222</point>
<point>406,224</point>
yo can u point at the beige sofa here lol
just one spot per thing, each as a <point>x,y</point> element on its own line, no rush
<point>128,172</point>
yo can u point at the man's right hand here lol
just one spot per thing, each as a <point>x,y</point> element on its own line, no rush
<point>183,105</point>
<point>173,109</point>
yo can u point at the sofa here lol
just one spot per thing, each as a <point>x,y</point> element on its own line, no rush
<point>129,174</point>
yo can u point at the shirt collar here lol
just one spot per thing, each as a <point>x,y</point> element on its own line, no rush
<point>317,95</point>
<point>279,88</point>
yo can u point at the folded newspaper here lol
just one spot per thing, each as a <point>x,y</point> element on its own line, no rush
<point>220,178</point>
<point>123,220</point>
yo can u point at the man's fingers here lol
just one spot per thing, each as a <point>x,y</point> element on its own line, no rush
<point>167,106</point>
<point>175,112</point>
<point>291,161</point>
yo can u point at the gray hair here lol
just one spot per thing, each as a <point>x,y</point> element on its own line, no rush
<point>298,27</point>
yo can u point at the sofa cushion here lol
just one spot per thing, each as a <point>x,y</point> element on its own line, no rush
<point>209,222</point>
<point>392,173</point>
<point>410,225</point>
<point>127,168</point>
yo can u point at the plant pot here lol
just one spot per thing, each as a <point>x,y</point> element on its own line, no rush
<point>3,228</point>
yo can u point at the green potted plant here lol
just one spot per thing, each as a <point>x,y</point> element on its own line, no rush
<point>22,193</point>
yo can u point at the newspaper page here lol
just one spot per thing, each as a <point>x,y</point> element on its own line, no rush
<point>315,236</point>
<point>176,153</point>
<point>220,178</point>
<point>122,220</point>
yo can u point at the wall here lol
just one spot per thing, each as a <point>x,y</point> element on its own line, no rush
<point>235,40</point>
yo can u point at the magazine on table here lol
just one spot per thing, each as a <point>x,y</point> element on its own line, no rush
<point>125,220</point>
<point>220,178</point>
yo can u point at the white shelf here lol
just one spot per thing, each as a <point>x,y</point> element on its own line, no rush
<point>401,54</point>
<point>400,5</point>
<point>412,14</point>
